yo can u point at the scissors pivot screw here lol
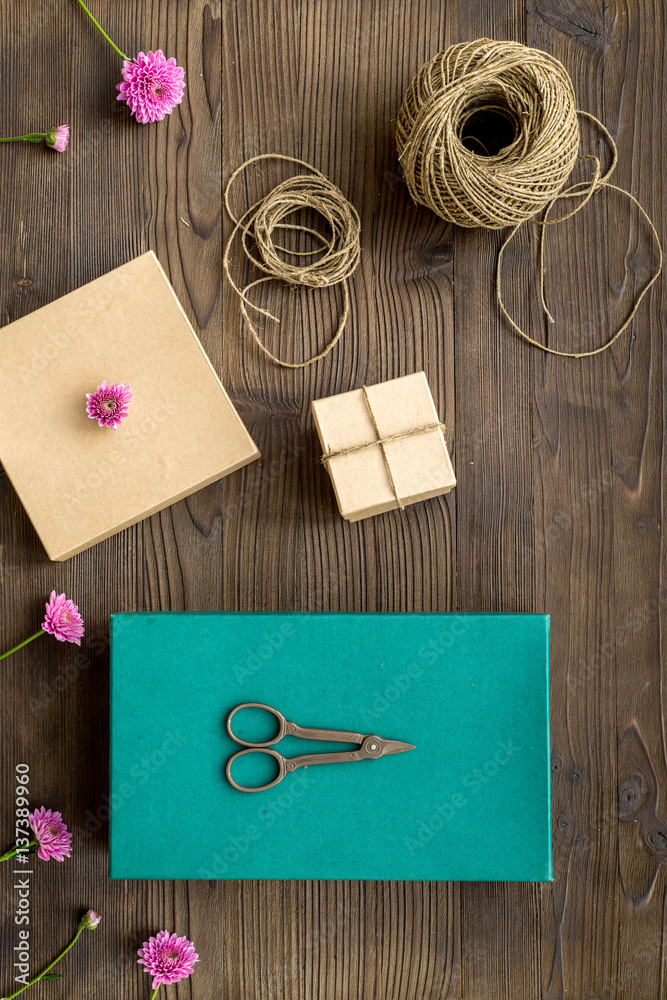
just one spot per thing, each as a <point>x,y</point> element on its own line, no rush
<point>372,746</point>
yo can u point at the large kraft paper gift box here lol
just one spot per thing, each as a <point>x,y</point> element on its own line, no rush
<point>383,446</point>
<point>471,801</point>
<point>81,483</point>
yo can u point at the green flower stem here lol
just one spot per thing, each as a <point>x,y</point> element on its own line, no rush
<point>41,631</point>
<point>31,137</point>
<point>153,994</point>
<point>101,30</point>
<point>15,850</point>
<point>49,967</point>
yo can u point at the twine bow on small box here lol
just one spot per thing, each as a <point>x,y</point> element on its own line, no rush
<point>383,441</point>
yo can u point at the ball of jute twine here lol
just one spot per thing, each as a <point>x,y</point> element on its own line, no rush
<point>330,263</point>
<point>534,92</point>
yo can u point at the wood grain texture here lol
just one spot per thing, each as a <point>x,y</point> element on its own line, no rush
<point>558,507</point>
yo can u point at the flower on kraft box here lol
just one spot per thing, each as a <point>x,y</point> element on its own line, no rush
<point>108,404</point>
<point>152,84</point>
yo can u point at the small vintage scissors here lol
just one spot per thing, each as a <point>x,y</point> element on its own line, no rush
<point>371,747</point>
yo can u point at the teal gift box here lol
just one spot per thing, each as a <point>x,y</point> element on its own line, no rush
<point>470,691</point>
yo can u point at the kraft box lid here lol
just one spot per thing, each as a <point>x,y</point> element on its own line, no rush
<point>81,483</point>
<point>470,802</point>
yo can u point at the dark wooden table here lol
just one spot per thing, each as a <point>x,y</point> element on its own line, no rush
<point>557,508</point>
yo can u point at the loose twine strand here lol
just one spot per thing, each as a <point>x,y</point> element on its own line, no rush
<point>382,441</point>
<point>336,256</point>
<point>534,91</point>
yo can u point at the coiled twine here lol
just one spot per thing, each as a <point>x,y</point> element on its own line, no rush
<point>331,262</point>
<point>533,93</point>
<point>528,87</point>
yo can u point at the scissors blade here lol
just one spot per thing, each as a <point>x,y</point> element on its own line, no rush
<point>394,746</point>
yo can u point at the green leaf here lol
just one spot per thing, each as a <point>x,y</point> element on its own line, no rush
<point>52,975</point>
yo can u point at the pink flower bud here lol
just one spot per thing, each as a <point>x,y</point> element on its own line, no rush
<point>58,138</point>
<point>90,920</point>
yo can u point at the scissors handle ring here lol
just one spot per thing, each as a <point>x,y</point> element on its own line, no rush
<point>261,788</point>
<point>246,743</point>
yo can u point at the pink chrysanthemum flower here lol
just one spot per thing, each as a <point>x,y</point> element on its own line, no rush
<point>51,834</point>
<point>58,138</point>
<point>63,619</point>
<point>108,404</point>
<point>152,87</point>
<point>168,958</point>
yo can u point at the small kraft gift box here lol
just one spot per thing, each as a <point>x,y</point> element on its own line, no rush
<point>383,446</point>
<point>81,482</point>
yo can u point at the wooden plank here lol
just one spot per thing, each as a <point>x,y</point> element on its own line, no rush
<point>599,425</point>
<point>119,189</point>
<point>574,535</point>
<point>496,557</point>
<point>282,94</point>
